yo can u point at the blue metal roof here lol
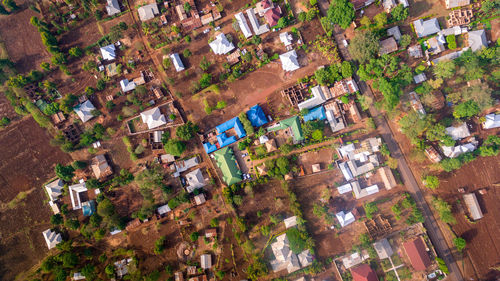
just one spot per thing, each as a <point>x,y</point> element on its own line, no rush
<point>209,147</point>
<point>224,140</point>
<point>256,116</point>
<point>317,113</point>
<point>233,123</point>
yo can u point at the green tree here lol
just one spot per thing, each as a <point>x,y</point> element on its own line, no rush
<point>445,69</point>
<point>45,66</point>
<point>75,52</point>
<point>186,53</point>
<point>56,219</point>
<point>399,13</point>
<point>370,209</point>
<point>187,7</point>
<point>431,182</point>
<point>187,131</point>
<point>444,210</point>
<point>175,147</point>
<point>347,69</point>
<point>405,41</point>
<point>365,21</point>
<point>64,172</point>
<point>317,135</point>
<point>459,243</point>
<point>4,121</point>
<point>160,245</point>
<point>194,236</point>
<point>341,12</point>
<point>466,110</point>
<point>380,19</point>
<point>205,64</point>
<point>105,208</point>
<point>72,224</point>
<point>10,4</point>
<point>364,46</point>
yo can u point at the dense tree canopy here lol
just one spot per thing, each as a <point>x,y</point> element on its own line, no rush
<point>364,46</point>
<point>341,12</point>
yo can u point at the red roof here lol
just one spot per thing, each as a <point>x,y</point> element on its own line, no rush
<point>265,4</point>
<point>417,254</point>
<point>363,272</point>
<point>272,16</point>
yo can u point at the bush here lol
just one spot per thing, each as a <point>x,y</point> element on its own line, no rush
<point>187,131</point>
<point>160,245</point>
<point>194,236</point>
<point>296,239</point>
<point>247,125</point>
<point>431,182</point>
<point>175,147</point>
<point>370,209</point>
<point>452,42</point>
<point>460,243</point>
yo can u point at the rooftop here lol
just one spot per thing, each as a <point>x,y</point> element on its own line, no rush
<point>417,253</point>
<point>220,45</point>
<point>289,61</point>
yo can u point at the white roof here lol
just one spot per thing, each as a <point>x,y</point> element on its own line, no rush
<point>108,52</point>
<point>199,199</point>
<point>74,193</point>
<point>153,118</point>
<point>318,97</point>
<point>474,207</point>
<point>477,40</point>
<point>257,28</point>
<point>112,7</point>
<point>289,61</point>
<point>383,249</point>
<point>221,46</point>
<point>344,188</point>
<point>454,151</point>
<point>263,139</point>
<point>426,28</point>
<point>54,189</point>
<point>51,238</point>
<point>345,218</point>
<point>459,132</point>
<point>346,171</point>
<point>242,22</point>
<point>492,121</point>
<point>195,180</point>
<point>179,66</point>
<point>347,150</point>
<point>286,38</point>
<point>405,3</point>
<point>163,209</point>
<point>363,192</point>
<point>84,111</point>
<point>206,261</point>
<point>305,258</point>
<point>148,12</point>
<point>290,222</point>
<point>78,276</point>
<point>285,258</point>
<point>419,78</point>
<point>127,85</point>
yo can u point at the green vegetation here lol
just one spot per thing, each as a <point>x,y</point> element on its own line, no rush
<point>247,125</point>
<point>297,240</point>
<point>175,147</point>
<point>186,131</point>
<point>459,243</point>
<point>370,209</point>
<point>364,46</point>
<point>399,13</point>
<point>65,173</point>
<point>444,210</point>
<point>341,12</point>
<point>160,245</point>
<point>431,182</point>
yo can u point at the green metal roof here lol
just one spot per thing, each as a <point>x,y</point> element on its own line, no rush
<point>294,124</point>
<point>227,163</point>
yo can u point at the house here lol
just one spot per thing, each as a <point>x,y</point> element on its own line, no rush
<point>286,38</point>
<point>194,180</point>
<point>51,238</point>
<point>256,116</point>
<point>419,78</point>
<point>363,192</point>
<point>388,5</point>
<point>221,129</point>
<point>436,44</point>
<point>360,4</point>
<point>179,276</point>
<point>181,12</point>
<point>100,167</point>
<point>162,210</point>
<point>58,117</point>
<point>200,199</point>
<point>121,267</point>
<point>289,61</point>
<point>450,4</point>
<point>184,165</point>
<point>470,200</point>
<point>433,154</point>
<point>316,168</point>
<point>334,116</point>
<point>293,125</point>
<point>305,258</point>
<point>345,188</point>
<point>417,253</point>
<point>54,189</point>
<point>455,151</point>
<point>206,261</point>
<point>387,177</point>
<point>234,57</point>
<point>148,12</point>
<point>112,7</point>
<point>78,195</point>
<point>343,87</point>
<point>111,69</point>
<point>153,118</point>
<point>258,29</point>
<point>242,22</point>
<point>394,32</point>
<point>84,111</point>
<point>272,16</point>
<point>290,222</point>
<point>426,28</point>
<point>206,19</point>
<point>363,272</point>
<point>127,86</point>
<point>212,232</point>
<point>415,100</point>
<point>221,46</point>
<point>458,132</point>
<point>320,95</point>
<point>271,145</point>
<point>108,52</point>
<point>415,51</point>
<point>477,40</point>
<point>491,121</point>
<point>284,257</point>
<point>176,60</point>
<point>383,249</point>
<point>263,6</point>
<point>354,259</point>
<point>454,30</point>
<point>77,276</point>
<point>345,218</point>
<point>388,46</point>
<point>226,162</point>
<point>54,207</point>
<point>450,56</point>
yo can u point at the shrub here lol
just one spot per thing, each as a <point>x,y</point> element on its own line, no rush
<point>194,236</point>
<point>296,239</point>
<point>431,182</point>
<point>370,209</point>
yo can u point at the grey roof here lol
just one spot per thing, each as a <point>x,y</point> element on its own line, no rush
<point>456,3</point>
<point>52,238</point>
<point>84,111</point>
<point>206,261</point>
<point>54,189</point>
<point>242,22</point>
<point>318,97</point>
<point>148,12</point>
<point>395,32</point>
<point>112,7</point>
<point>458,132</point>
<point>474,208</point>
<point>383,248</point>
<point>195,180</point>
<point>257,28</point>
<point>477,40</point>
<point>426,28</point>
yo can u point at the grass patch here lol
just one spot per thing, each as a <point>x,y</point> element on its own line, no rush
<point>396,260</point>
<point>17,200</point>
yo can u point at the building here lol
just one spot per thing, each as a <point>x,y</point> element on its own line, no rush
<point>153,118</point>
<point>477,40</point>
<point>258,29</point>
<point>179,276</point>
<point>388,46</point>
<point>363,272</point>
<point>450,4</point>
<point>51,238</point>
<point>320,94</point>
<point>148,12</point>
<point>221,46</point>
<point>289,61</point>
<point>162,210</point>
<point>470,200</point>
<point>293,127</point>
<point>388,5</point>
<point>354,259</point>
<point>78,195</point>
<point>394,32</point>
<point>111,69</point>
<point>206,261</point>
<point>335,116</point>
<point>458,132</point>
<point>387,177</point>
<point>436,44</point>
<point>415,51</point>
<point>363,192</point>
<point>272,16</point>
<point>433,154</point>
<point>415,100</point>
<point>200,199</point>
<point>84,111</point>
<point>211,233</point>
<point>226,162</point>
<point>263,6</point>
<point>455,151</point>
<point>417,253</point>
<point>419,78</point>
<point>176,60</point>
<point>345,218</point>
<point>286,38</point>
<point>184,165</point>
<point>222,129</point>
<point>121,267</point>
<point>360,4</point>
<point>112,7</point>
<point>305,258</point>
<point>256,116</point>
<point>290,222</point>
<point>491,121</point>
<point>127,85</point>
<point>284,257</point>
<point>271,145</point>
<point>426,28</point>
<point>317,113</point>
<point>345,188</point>
<point>383,249</point>
<point>54,189</point>
<point>108,52</point>
<point>195,180</point>
<point>242,22</point>
<point>343,87</point>
<point>100,167</point>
